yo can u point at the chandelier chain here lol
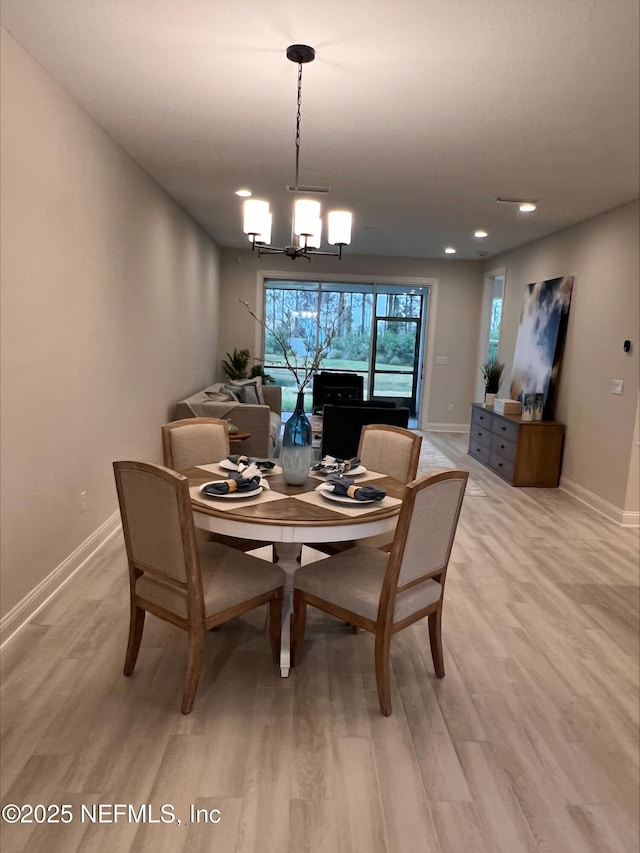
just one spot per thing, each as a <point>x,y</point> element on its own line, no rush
<point>298,119</point>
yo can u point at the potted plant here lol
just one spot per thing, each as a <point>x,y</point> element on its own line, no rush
<point>236,364</point>
<point>492,374</point>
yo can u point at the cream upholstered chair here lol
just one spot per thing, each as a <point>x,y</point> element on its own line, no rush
<point>194,441</point>
<point>195,587</point>
<point>384,593</point>
<point>389,450</point>
<point>190,442</point>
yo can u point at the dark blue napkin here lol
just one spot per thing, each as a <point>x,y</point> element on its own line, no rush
<point>242,461</point>
<point>331,465</point>
<point>231,484</point>
<point>347,488</point>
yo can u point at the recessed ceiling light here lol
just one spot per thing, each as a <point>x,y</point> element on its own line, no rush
<point>243,193</point>
<point>527,207</point>
<point>480,234</point>
<point>449,250</point>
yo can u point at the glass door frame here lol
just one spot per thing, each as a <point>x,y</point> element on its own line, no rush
<point>426,357</point>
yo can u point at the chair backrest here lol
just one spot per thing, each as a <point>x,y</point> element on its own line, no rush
<point>426,529</point>
<point>328,387</point>
<point>194,441</point>
<point>390,450</point>
<point>157,522</point>
<point>342,425</point>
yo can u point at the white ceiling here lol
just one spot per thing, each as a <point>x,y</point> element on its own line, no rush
<point>417,113</point>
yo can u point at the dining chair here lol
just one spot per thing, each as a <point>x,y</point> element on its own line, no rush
<point>386,592</point>
<point>194,441</point>
<point>195,587</point>
<point>190,442</point>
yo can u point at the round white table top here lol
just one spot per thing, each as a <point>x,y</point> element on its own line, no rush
<point>291,519</point>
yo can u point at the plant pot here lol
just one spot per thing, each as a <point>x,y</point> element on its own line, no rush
<point>489,399</point>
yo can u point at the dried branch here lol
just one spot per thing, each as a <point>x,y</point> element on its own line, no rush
<point>303,371</point>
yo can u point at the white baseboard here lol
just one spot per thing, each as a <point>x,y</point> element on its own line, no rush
<point>620,516</point>
<point>444,428</point>
<point>24,610</point>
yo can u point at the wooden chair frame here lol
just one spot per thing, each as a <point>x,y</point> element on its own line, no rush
<point>167,458</point>
<point>414,459</point>
<point>412,473</point>
<point>167,429</point>
<point>195,624</point>
<point>384,627</point>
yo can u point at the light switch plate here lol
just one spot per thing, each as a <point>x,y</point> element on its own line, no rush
<point>617,386</point>
<point>441,359</point>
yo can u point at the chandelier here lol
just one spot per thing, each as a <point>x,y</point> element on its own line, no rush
<point>306,224</point>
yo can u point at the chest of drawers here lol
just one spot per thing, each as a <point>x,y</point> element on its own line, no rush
<point>525,453</point>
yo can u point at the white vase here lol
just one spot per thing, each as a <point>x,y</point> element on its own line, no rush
<point>489,399</point>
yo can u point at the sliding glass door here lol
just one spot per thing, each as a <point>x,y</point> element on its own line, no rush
<point>378,334</point>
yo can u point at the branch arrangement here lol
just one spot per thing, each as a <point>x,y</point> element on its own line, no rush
<point>304,369</point>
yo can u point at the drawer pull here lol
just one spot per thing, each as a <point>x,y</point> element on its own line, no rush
<point>502,447</point>
<point>499,464</point>
<point>480,433</point>
<point>477,450</point>
<point>503,428</point>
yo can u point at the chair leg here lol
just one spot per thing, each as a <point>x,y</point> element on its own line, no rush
<point>435,640</point>
<point>275,625</point>
<point>194,669</point>
<point>382,654</point>
<point>136,626</point>
<point>297,625</point>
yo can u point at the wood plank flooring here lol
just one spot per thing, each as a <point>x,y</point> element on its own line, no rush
<point>528,745</point>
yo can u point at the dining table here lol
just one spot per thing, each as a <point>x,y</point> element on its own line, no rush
<point>289,517</point>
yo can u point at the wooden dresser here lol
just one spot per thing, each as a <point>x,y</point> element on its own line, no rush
<point>525,453</point>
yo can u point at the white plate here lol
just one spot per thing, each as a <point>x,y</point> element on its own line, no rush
<point>248,494</point>
<point>345,499</point>
<point>355,472</point>
<point>228,465</point>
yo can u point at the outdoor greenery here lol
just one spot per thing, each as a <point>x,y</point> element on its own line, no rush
<point>333,330</point>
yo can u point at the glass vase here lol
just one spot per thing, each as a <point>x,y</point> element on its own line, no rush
<point>297,452</point>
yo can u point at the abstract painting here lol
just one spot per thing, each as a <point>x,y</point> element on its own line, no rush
<point>541,334</point>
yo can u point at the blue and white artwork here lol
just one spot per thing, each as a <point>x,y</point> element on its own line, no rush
<point>543,324</point>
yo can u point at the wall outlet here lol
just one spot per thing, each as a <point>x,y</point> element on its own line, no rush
<point>617,386</point>
<point>441,359</point>
<point>451,407</point>
<point>83,501</point>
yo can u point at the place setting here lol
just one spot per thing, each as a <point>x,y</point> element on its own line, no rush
<point>353,467</point>
<point>239,488</point>
<point>348,496</point>
<point>245,465</point>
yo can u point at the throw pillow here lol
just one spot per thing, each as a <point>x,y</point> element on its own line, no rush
<point>255,386</point>
<point>245,394</point>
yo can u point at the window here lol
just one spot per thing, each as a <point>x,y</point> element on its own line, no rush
<point>379,334</point>
<point>495,317</point>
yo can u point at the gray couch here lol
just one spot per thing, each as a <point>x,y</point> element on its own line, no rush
<point>263,422</point>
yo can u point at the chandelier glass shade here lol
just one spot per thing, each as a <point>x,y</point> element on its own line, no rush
<point>306,225</point>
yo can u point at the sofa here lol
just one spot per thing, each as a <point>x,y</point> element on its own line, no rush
<point>262,420</point>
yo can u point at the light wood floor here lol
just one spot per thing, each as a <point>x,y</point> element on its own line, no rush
<point>530,742</point>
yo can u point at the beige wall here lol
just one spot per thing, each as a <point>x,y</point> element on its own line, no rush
<point>454,314</point>
<point>109,306</point>
<point>602,255</point>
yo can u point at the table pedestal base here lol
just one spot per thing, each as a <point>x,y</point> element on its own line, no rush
<point>288,560</point>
